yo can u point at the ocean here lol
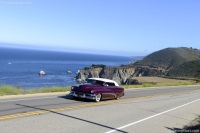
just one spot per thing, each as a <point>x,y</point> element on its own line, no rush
<point>21,67</point>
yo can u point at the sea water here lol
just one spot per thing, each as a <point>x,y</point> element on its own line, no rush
<point>21,67</point>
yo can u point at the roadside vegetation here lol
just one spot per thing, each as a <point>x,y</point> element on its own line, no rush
<point>141,82</point>
<point>153,84</point>
<point>13,90</point>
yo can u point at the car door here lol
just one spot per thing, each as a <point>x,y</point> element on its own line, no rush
<point>107,93</point>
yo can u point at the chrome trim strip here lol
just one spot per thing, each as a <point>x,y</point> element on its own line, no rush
<point>84,95</point>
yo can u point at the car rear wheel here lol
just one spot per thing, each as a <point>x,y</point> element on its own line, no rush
<point>98,97</point>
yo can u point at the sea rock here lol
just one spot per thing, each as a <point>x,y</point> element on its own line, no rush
<point>77,71</point>
<point>69,72</point>
<point>42,73</point>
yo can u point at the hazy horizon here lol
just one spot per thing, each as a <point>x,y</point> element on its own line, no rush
<point>28,50</point>
<point>73,50</point>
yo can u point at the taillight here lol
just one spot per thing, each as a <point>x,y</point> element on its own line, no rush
<point>72,87</point>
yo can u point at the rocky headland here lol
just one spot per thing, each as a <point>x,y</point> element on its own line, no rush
<point>121,74</point>
<point>160,63</point>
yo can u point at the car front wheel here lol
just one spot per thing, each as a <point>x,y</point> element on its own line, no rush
<point>98,98</point>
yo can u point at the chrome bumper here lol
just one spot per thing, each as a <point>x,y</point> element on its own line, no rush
<point>83,95</point>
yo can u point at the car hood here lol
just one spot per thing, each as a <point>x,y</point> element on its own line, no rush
<point>85,88</point>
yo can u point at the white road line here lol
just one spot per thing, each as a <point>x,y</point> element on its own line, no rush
<point>26,99</point>
<point>111,131</point>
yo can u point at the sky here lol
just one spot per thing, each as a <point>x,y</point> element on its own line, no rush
<point>113,27</point>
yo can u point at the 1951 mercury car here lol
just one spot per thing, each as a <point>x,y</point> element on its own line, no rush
<point>98,89</point>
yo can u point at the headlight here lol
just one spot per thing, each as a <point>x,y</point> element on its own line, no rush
<point>91,91</point>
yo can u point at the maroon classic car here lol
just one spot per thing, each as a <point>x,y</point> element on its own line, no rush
<point>98,89</point>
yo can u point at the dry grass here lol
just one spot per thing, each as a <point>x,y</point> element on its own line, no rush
<point>158,80</point>
<point>12,90</point>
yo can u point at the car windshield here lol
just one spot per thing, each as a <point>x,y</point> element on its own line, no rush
<point>101,83</point>
<point>95,82</point>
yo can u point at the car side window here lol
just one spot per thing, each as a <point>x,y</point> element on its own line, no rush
<point>110,84</point>
<point>99,83</point>
<point>91,81</point>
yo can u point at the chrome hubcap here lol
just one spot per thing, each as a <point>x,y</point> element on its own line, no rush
<point>98,97</point>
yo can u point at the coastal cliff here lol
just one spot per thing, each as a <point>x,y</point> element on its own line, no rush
<point>170,62</point>
<point>120,74</point>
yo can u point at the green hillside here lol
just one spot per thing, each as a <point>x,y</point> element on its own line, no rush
<point>189,69</point>
<point>170,57</point>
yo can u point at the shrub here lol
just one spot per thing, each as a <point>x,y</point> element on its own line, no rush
<point>131,81</point>
<point>49,89</point>
<point>10,90</point>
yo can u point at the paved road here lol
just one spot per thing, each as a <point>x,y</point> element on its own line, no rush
<point>20,105</point>
<point>170,108</point>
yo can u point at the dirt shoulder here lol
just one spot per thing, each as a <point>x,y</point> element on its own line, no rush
<point>157,80</point>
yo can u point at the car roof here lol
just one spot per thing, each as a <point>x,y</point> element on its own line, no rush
<point>105,80</point>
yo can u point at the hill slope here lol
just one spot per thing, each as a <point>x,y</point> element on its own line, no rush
<point>189,69</point>
<point>170,57</point>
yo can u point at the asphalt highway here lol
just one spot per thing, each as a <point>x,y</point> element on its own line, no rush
<point>166,109</point>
